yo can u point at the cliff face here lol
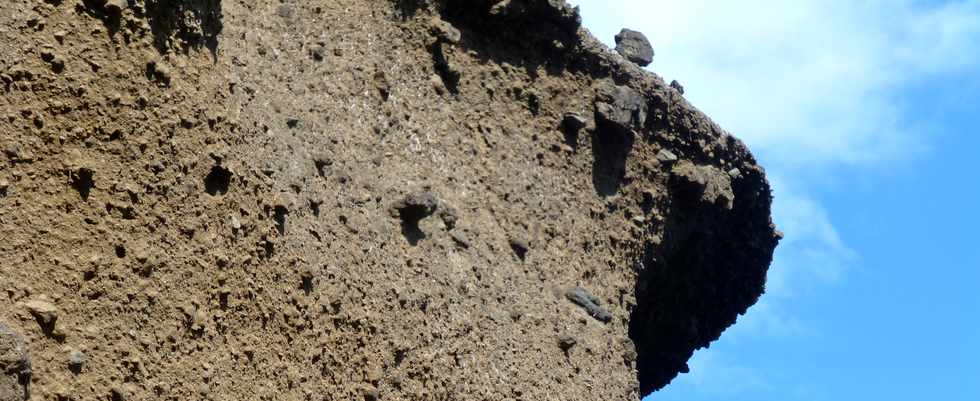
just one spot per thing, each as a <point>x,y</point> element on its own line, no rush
<point>346,199</point>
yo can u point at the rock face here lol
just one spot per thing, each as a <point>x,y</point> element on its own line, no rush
<point>353,199</point>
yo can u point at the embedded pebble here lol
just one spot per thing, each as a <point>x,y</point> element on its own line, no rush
<point>76,359</point>
<point>589,302</point>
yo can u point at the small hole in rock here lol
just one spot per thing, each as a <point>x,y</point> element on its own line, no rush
<point>412,210</point>
<point>400,357</point>
<point>280,216</point>
<point>322,166</point>
<point>648,202</point>
<point>217,181</point>
<point>520,248</point>
<point>120,251</point>
<point>83,182</point>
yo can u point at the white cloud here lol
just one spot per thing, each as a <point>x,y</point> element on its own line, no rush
<point>811,251</point>
<point>767,319</point>
<point>803,82</point>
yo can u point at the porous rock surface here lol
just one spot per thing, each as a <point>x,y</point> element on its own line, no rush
<point>357,199</point>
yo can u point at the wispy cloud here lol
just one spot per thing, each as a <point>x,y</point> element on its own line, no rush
<point>812,250</point>
<point>718,377</point>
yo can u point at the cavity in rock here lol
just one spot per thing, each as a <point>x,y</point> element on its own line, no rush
<point>217,181</point>
<point>280,213</point>
<point>520,247</point>
<point>83,181</point>
<point>411,210</point>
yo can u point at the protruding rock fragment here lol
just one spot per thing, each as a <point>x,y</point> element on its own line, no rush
<point>460,238</point>
<point>566,16</point>
<point>590,303</point>
<point>115,6</point>
<point>444,31</point>
<point>76,360</point>
<point>118,393</point>
<point>665,156</point>
<point>507,8</point>
<point>621,107</point>
<point>15,366</point>
<point>285,11</point>
<point>635,47</point>
<point>449,215</point>
<point>109,6</point>
<point>57,62</point>
<point>571,124</point>
<point>677,86</point>
<point>371,393</point>
<point>160,72</point>
<point>45,312</point>
<point>693,183</point>
<point>436,81</point>
<point>566,342</point>
<point>416,206</point>
<point>574,121</point>
<point>199,320</point>
<point>16,153</point>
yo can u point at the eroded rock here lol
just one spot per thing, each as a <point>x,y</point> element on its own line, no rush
<point>707,184</point>
<point>621,107</point>
<point>444,31</point>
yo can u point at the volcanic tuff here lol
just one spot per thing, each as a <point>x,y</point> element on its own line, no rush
<point>356,199</point>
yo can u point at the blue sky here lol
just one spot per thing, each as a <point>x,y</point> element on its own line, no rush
<point>864,113</point>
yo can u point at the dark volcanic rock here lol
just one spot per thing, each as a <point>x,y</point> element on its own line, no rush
<point>590,303</point>
<point>621,107</point>
<point>635,47</point>
<point>705,184</point>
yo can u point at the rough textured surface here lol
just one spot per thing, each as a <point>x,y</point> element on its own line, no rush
<point>358,199</point>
